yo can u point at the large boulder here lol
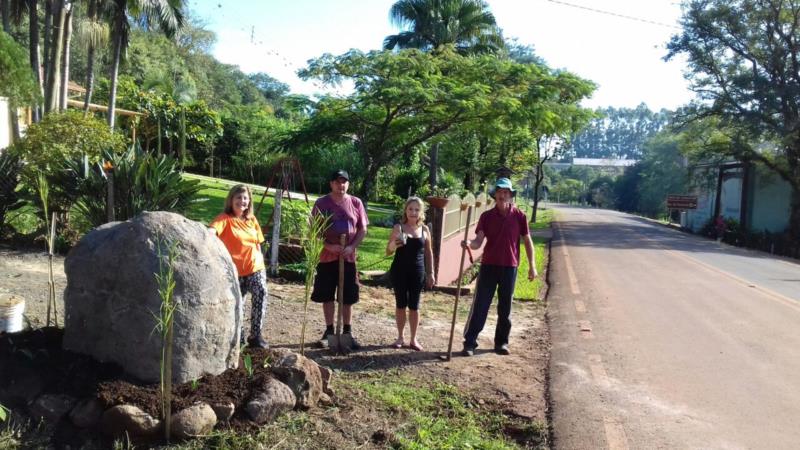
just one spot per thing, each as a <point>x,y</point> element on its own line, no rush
<point>111,301</point>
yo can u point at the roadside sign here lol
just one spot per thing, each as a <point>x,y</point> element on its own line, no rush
<point>681,201</point>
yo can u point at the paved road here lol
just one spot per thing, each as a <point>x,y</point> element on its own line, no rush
<point>666,340</point>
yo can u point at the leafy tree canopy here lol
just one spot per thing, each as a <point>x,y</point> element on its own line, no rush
<point>743,58</point>
<point>16,80</point>
<point>403,99</point>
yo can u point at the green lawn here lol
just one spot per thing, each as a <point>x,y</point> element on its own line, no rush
<point>210,201</point>
<point>371,253</point>
<point>530,290</point>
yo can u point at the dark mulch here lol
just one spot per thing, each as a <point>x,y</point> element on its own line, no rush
<point>36,355</point>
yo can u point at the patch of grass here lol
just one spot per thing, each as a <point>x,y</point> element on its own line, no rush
<point>436,415</point>
<point>372,251</point>
<point>292,430</point>
<point>530,290</point>
<point>210,201</point>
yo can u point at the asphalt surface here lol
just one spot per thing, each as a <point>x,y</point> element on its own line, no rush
<point>663,339</point>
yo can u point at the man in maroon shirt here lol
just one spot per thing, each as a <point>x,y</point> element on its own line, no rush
<point>502,226</point>
<point>346,215</point>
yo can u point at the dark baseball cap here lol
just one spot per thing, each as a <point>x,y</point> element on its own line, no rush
<point>341,173</point>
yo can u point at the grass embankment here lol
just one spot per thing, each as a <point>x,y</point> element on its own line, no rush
<point>531,290</point>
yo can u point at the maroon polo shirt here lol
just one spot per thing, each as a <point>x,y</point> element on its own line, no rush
<point>502,236</point>
<point>347,218</point>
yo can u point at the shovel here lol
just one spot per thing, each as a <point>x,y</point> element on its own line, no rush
<point>458,290</point>
<point>340,343</point>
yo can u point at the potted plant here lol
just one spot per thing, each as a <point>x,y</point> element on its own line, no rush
<point>438,196</point>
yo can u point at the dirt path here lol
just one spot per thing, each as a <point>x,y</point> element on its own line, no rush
<point>512,384</point>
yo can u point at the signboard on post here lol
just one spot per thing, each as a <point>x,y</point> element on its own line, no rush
<point>681,201</point>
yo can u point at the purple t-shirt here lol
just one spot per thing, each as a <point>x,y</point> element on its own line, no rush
<point>502,236</point>
<point>347,218</point>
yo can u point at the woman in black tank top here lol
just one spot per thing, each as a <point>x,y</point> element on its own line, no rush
<point>412,267</point>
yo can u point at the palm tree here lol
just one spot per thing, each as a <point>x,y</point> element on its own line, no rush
<point>166,15</point>
<point>467,24</point>
<point>93,32</point>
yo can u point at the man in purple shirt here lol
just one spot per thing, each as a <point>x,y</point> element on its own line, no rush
<point>347,216</point>
<point>503,227</point>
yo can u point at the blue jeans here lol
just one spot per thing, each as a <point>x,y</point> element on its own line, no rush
<point>490,279</point>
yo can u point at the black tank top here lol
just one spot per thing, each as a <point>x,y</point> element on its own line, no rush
<point>412,255</point>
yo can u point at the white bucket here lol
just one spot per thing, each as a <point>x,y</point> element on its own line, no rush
<point>11,309</point>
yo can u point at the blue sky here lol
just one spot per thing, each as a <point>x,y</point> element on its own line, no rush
<point>623,56</point>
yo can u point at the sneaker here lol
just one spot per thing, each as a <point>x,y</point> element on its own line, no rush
<point>502,350</point>
<point>468,351</point>
<point>354,343</point>
<point>258,342</point>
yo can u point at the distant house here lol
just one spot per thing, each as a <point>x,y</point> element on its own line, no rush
<point>751,194</point>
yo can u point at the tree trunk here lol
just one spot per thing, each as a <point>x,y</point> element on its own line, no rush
<point>33,52</point>
<point>538,178</point>
<point>90,57</point>
<point>182,144</point>
<point>118,38</point>
<point>433,165</point>
<point>65,62</point>
<point>56,48</point>
<point>46,43</point>
<point>5,11</point>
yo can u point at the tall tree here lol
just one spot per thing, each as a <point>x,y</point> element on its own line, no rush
<point>404,99</point>
<point>468,25</point>
<point>93,32</point>
<point>166,15</point>
<point>67,38</point>
<point>55,48</point>
<point>744,64</point>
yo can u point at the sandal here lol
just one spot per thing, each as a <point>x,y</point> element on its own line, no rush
<point>416,346</point>
<point>398,343</point>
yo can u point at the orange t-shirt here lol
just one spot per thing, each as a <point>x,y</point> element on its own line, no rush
<point>241,238</point>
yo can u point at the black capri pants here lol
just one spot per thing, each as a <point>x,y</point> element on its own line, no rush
<point>407,287</point>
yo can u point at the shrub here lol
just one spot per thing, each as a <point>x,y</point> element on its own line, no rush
<point>294,218</point>
<point>9,181</point>
<point>65,135</point>
<point>142,182</point>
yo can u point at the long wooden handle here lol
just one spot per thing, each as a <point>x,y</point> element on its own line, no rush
<point>458,285</point>
<point>340,289</point>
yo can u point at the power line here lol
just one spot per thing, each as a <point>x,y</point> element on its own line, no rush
<point>623,16</point>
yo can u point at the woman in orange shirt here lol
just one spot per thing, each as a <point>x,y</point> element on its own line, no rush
<point>239,230</point>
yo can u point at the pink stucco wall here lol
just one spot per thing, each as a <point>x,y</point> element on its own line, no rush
<point>450,255</point>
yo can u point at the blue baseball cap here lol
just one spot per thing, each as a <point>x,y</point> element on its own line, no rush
<point>502,183</point>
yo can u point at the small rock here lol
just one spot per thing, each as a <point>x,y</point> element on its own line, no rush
<point>326,375</point>
<point>25,387</point>
<point>52,407</point>
<point>224,411</point>
<point>86,413</point>
<point>196,420</point>
<point>276,399</point>
<point>301,374</point>
<point>128,418</point>
<point>325,400</point>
